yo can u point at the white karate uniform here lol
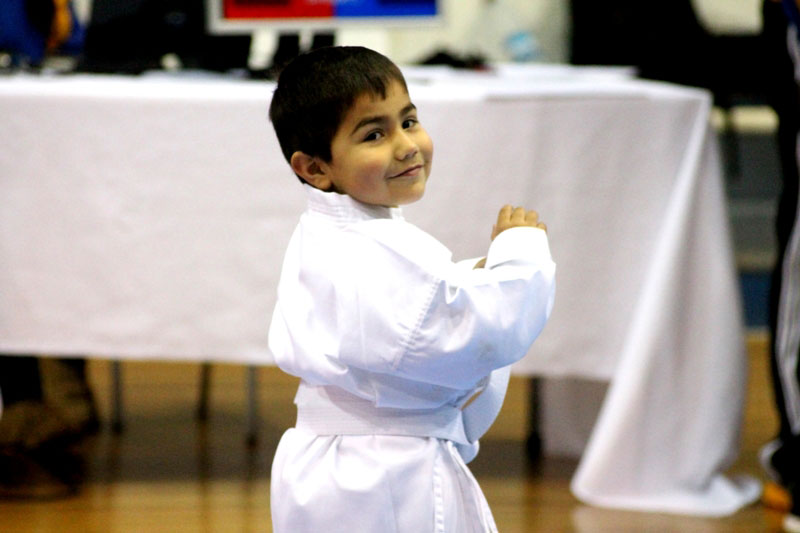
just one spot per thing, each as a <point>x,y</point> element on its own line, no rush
<point>391,338</point>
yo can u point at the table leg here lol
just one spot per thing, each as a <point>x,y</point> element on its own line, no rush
<point>116,397</point>
<point>252,406</point>
<point>533,444</point>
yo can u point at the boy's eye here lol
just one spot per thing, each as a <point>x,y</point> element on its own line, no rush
<point>409,123</point>
<point>373,136</point>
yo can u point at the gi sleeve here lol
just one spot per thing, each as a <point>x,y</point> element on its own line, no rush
<point>413,313</point>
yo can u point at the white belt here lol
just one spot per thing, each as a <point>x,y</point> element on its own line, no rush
<point>328,410</point>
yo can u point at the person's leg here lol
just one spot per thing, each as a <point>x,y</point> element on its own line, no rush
<point>22,398</point>
<point>19,379</point>
<point>785,456</point>
<point>780,457</point>
<point>24,417</point>
<point>66,389</point>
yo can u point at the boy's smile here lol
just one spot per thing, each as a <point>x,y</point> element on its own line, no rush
<point>380,154</point>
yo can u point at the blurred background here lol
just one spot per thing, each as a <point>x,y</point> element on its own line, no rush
<point>722,46</point>
<point>715,44</point>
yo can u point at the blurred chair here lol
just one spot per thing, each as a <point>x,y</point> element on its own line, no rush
<point>251,435</point>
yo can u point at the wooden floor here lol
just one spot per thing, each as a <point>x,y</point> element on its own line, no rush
<point>168,473</point>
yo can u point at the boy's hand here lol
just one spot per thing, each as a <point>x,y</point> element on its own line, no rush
<point>513,217</point>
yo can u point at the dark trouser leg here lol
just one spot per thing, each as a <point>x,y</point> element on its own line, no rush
<point>19,379</point>
<point>782,92</point>
<point>25,417</point>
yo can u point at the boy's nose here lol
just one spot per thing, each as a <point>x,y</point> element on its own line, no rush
<point>406,147</point>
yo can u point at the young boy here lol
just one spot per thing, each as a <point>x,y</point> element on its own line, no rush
<point>389,337</point>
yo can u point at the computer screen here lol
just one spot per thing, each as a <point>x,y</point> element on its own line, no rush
<point>132,36</point>
<point>239,16</point>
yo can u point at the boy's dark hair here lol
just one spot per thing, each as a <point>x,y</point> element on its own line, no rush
<point>316,90</point>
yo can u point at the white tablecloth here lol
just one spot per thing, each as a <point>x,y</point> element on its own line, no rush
<point>147,218</point>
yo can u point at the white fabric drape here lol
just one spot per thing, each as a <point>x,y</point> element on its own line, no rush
<point>147,218</point>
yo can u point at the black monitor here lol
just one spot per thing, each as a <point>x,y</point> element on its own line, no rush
<point>131,36</point>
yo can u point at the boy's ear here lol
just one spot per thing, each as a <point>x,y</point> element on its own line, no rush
<point>311,170</point>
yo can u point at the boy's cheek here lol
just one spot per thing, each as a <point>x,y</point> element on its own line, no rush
<point>427,149</point>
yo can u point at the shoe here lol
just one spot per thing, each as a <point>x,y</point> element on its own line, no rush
<point>22,478</point>
<point>66,463</point>
<point>776,497</point>
<point>791,523</point>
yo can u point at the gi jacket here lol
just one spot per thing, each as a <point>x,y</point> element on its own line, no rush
<point>390,338</point>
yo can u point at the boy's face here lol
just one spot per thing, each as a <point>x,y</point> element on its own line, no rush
<point>381,155</point>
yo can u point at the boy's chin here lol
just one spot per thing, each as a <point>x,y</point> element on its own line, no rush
<point>411,196</point>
